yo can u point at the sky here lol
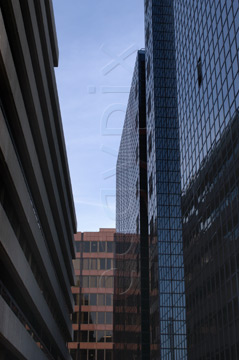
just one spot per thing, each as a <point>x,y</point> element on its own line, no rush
<point>98,40</point>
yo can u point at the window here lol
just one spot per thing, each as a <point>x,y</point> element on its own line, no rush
<point>85,299</point>
<point>100,338</point>
<point>149,104</point>
<point>93,264</point>
<point>102,246</point>
<point>93,281</point>
<point>109,281</point>
<point>86,246</point>
<point>101,317</point>
<point>109,264</point>
<point>148,68</point>
<point>85,264</point>
<point>109,246</point>
<point>102,264</point>
<point>101,299</point>
<point>92,317</point>
<point>85,281</point>
<point>93,299</point>
<point>199,69</point>
<point>109,318</point>
<point>108,300</point>
<point>83,336</point>
<point>100,354</point>
<point>92,354</point>
<point>92,336</point>
<point>108,336</point>
<point>150,143</point>
<point>94,246</point>
<point>147,33</point>
<point>150,185</point>
<point>78,247</point>
<point>84,317</point>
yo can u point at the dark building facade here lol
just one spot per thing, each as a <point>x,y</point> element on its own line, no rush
<point>37,216</point>
<point>131,305</point>
<point>167,288</point>
<point>207,57</point>
<point>93,314</point>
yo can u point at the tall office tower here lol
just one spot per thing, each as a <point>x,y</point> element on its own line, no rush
<point>131,325</point>
<point>37,218</point>
<point>167,290</point>
<point>93,294</point>
<point>207,55</point>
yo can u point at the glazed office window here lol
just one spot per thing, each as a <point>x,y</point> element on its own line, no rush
<point>93,281</point>
<point>93,299</point>
<point>85,264</point>
<point>78,246</point>
<point>85,281</point>
<point>109,246</point>
<point>109,264</point>
<point>85,299</point>
<point>84,318</point>
<point>100,353</point>
<point>101,299</point>
<point>102,264</point>
<point>108,355</point>
<point>108,318</point>
<point>94,247</point>
<point>92,337</point>
<point>100,338</point>
<point>86,246</point>
<point>199,71</point>
<point>101,317</point>
<point>108,300</point>
<point>108,336</point>
<point>93,264</point>
<point>93,317</point>
<point>109,283</point>
<point>102,246</point>
<point>84,336</point>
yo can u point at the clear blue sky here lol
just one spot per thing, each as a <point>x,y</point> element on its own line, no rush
<point>97,43</point>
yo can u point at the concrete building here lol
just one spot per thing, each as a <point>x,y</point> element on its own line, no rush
<point>37,216</point>
<point>93,294</point>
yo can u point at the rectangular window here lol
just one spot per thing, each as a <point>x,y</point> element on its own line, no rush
<point>85,264</point>
<point>109,282</point>
<point>101,317</point>
<point>100,338</point>
<point>101,299</point>
<point>109,264</point>
<point>85,281</point>
<point>108,300</point>
<point>94,246</point>
<point>102,264</point>
<point>100,353</point>
<point>78,247</point>
<point>86,246</point>
<point>93,281</point>
<point>109,246</point>
<point>109,318</point>
<point>102,246</point>
<point>93,264</point>
<point>92,338</point>
<point>92,317</point>
<point>84,336</point>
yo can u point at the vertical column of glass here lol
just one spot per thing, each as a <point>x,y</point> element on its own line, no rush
<point>172,314</point>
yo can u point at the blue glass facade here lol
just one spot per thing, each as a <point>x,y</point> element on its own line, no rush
<point>207,58</point>
<point>131,311</point>
<point>167,290</point>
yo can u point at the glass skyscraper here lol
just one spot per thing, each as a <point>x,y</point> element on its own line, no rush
<point>207,58</point>
<point>167,290</point>
<point>131,306</point>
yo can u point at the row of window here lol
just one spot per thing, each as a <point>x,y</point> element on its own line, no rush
<point>95,281</point>
<point>96,317</point>
<point>94,299</point>
<point>94,246</point>
<point>93,336</point>
<point>91,354</point>
<point>93,264</point>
